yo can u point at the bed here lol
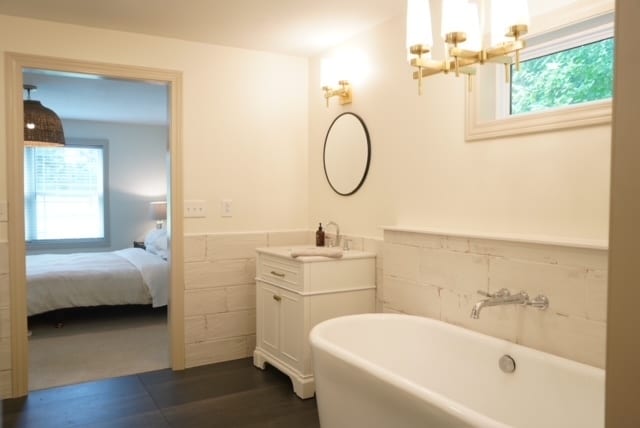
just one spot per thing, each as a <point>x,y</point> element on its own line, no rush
<point>124,277</point>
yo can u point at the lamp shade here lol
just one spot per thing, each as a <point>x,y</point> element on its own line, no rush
<point>474,36</point>
<point>454,17</point>
<point>158,210</point>
<point>505,14</point>
<point>329,73</point>
<point>419,30</point>
<point>42,126</point>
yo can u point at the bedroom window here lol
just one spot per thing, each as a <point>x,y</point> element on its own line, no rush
<point>65,195</point>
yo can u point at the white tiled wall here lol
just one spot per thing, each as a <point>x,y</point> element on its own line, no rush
<point>374,246</point>
<point>417,273</point>
<point>220,294</point>
<point>438,276</point>
<point>5,327</point>
<point>220,299</point>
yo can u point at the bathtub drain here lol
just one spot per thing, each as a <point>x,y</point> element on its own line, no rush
<point>507,364</point>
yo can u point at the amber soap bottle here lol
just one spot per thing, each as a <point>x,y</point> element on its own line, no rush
<point>320,236</point>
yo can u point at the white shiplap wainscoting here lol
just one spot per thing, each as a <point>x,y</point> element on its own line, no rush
<point>220,300</point>
<point>5,326</point>
<point>437,274</point>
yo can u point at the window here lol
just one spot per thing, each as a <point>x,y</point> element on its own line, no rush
<point>565,80</point>
<point>570,70</point>
<point>65,204</point>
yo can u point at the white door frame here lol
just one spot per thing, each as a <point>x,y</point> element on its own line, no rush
<point>15,63</point>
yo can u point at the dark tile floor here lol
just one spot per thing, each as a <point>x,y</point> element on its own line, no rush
<point>230,394</point>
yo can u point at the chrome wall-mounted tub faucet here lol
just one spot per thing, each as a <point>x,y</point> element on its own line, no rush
<point>504,297</point>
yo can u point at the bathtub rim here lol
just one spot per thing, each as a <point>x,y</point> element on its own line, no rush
<point>448,405</point>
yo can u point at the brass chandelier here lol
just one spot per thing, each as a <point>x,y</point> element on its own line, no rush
<point>462,35</point>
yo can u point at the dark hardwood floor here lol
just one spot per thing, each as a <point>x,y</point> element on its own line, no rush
<point>230,394</point>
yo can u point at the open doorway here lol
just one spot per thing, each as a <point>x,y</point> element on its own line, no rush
<point>18,64</point>
<point>96,242</point>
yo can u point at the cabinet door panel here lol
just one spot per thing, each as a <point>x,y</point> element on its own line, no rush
<point>270,319</point>
<point>292,328</point>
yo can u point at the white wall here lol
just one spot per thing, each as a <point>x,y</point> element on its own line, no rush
<point>244,135</point>
<point>423,173</point>
<point>137,174</point>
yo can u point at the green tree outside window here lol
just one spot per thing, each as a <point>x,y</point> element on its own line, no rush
<point>572,76</point>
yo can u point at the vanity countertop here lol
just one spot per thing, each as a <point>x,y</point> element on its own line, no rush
<point>285,251</point>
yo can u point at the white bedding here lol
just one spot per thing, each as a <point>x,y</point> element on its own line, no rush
<point>129,276</point>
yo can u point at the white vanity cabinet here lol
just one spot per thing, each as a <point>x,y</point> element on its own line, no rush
<point>295,294</point>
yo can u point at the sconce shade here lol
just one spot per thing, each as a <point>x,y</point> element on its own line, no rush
<point>328,74</point>
<point>158,210</point>
<point>419,30</point>
<point>42,126</point>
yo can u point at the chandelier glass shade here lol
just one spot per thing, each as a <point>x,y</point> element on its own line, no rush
<point>462,33</point>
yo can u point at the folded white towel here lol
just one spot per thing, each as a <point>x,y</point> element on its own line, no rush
<point>318,251</point>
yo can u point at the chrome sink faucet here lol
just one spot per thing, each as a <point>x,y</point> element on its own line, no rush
<point>504,297</point>
<point>326,228</point>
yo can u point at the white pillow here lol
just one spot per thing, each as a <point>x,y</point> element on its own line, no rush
<point>156,242</point>
<point>161,242</point>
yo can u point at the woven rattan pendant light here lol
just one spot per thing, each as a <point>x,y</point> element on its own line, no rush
<point>42,126</point>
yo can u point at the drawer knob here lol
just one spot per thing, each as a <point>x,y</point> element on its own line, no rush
<point>280,274</point>
<point>277,298</point>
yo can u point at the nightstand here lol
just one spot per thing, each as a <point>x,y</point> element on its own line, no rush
<point>139,244</point>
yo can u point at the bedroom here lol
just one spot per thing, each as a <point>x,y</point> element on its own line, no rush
<point>83,222</point>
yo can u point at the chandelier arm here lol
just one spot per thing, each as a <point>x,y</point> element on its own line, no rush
<point>505,49</point>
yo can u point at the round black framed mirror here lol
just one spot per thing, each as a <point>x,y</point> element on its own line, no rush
<point>347,153</point>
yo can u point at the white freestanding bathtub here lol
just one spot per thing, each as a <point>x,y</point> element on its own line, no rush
<point>394,371</point>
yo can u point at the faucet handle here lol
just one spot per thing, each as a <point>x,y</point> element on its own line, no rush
<point>503,292</point>
<point>540,301</point>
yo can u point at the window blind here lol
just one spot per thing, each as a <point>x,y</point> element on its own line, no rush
<point>64,193</point>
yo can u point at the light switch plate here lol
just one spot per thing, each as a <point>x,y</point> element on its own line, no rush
<point>194,209</point>
<point>226,206</point>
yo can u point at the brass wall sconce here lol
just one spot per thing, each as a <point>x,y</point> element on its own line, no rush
<point>343,92</point>
<point>337,69</point>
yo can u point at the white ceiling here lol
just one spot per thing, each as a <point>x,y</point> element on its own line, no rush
<point>89,97</point>
<point>291,27</point>
<point>294,27</point>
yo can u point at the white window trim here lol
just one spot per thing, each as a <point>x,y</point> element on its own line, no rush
<point>83,243</point>
<point>581,115</point>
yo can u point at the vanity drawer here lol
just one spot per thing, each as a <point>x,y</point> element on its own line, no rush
<point>280,272</point>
